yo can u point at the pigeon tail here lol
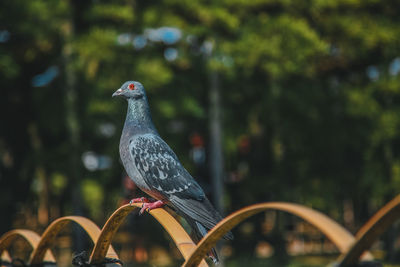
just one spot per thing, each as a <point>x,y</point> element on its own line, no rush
<point>212,253</point>
<point>198,233</point>
<point>199,211</point>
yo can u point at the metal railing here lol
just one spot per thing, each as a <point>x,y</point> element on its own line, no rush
<point>352,248</point>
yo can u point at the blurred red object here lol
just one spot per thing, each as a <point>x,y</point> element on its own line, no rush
<point>244,144</point>
<point>196,140</point>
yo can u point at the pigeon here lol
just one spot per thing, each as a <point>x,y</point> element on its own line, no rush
<point>156,170</point>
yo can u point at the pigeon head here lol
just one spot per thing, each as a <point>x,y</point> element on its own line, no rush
<point>131,90</point>
<point>138,114</point>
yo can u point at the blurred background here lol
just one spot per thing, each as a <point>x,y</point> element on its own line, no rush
<point>261,100</point>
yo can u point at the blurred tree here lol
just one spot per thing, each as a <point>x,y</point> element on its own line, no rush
<point>310,95</point>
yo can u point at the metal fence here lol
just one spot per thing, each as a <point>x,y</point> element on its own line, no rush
<point>353,249</point>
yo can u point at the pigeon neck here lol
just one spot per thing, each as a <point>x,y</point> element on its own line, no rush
<point>139,114</point>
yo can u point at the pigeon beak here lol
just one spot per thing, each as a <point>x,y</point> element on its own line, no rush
<point>117,93</point>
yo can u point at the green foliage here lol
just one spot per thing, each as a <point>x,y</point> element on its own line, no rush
<point>112,12</point>
<point>93,195</point>
<point>305,83</point>
<point>8,67</point>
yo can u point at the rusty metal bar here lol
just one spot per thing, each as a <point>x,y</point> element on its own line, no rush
<point>370,232</point>
<point>170,224</point>
<point>342,238</point>
<point>55,227</point>
<point>31,237</point>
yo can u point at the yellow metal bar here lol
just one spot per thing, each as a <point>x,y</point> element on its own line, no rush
<point>170,224</point>
<point>31,237</point>
<point>55,227</point>
<point>342,238</point>
<point>352,249</point>
<point>107,233</point>
<point>5,256</point>
<point>370,232</point>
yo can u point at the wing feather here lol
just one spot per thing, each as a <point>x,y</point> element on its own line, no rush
<point>161,169</point>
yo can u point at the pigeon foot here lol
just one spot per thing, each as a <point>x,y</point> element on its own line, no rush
<point>151,206</point>
<point>139,200</point>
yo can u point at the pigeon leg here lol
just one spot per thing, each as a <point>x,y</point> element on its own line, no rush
<point>151,206</point>
<point>139,200</point>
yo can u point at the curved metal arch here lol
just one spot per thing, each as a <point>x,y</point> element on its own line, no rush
<point>342,238</point>
<point>351,248</point>
<point>182,240</point>
<point>29,236</point>
<point>371,230</point>
<point>51,232</point>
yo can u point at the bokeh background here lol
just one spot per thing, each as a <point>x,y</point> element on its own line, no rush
<point>261,100</point>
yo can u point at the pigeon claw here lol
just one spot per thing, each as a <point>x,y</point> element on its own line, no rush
<point>139,200</point>
<point>148,206</point>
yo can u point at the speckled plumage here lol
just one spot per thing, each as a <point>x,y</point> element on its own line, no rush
<point>155,168</point>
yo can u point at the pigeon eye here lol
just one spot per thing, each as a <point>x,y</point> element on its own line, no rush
<point>131,86</point>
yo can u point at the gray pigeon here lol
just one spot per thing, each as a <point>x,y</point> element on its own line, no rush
<point>157,171</point>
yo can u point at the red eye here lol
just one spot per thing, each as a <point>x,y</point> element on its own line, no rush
<point>131,86</point>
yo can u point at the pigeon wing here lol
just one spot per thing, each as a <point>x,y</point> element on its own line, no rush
<point>161,169</point>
